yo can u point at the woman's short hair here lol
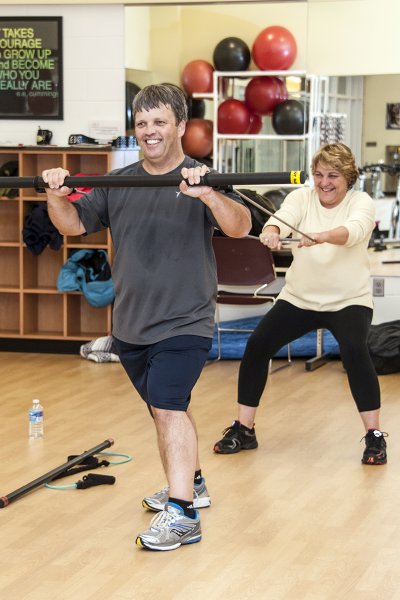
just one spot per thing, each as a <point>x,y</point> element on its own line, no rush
<point>154,96</point>
<point>337,156</point>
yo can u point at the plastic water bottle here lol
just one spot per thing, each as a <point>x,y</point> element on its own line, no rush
<point>36,425</point>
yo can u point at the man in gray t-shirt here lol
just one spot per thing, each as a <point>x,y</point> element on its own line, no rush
<point>164,275</point>
<point>163,269</point>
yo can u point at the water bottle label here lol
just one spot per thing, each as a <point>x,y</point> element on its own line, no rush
<point>36,416</point>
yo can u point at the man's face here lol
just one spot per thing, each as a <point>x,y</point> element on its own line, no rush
<point>158,135</point>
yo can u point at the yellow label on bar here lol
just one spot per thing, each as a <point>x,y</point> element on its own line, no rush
<point>295,177</point>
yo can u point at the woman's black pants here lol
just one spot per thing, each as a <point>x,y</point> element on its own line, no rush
<point>284,323</point>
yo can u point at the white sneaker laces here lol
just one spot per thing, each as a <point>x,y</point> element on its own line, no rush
<point>162,520</point>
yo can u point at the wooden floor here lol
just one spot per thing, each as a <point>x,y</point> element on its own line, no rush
<point>297,519</point>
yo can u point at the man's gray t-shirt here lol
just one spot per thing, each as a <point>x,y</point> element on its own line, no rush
<point>164,269</point>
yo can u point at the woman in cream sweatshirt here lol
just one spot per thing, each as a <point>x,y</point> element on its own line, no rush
<point>326,287</point>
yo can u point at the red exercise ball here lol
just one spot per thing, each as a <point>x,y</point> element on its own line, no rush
<point>255,124</point>
<point>197,76</point>
<point>233,116</point>
<point>262,94</point>
<point>283,93</point>
<point>197,141</point>
<point>274,49</point>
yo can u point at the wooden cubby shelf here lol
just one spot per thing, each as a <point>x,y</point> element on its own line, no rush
<point>9,313</point>
<point>9,268</point>
<point>31,307</point>
<point>9,221</point>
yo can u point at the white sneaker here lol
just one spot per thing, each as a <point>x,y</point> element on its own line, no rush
<point>170,529</point>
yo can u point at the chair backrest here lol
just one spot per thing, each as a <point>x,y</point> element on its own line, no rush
<point>243,261</point>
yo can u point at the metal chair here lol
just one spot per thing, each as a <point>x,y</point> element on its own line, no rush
<point>246,267</point>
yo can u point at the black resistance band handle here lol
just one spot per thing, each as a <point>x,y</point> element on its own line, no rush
<point>215,180</point>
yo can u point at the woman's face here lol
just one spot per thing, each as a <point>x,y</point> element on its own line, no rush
<point>330,185</point>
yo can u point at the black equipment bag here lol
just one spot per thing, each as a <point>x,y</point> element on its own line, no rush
<point>9,169</point>
<point>384,347</point>
<point>258,217</point>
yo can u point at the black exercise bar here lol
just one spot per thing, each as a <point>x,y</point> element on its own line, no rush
<point>5,500</point>
<point>215,180</point>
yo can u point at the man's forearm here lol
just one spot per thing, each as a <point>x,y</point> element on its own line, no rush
<point>233,218</point>
<point>63,215</point>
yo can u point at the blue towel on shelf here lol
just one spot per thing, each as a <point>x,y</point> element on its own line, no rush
<point>234,343</point>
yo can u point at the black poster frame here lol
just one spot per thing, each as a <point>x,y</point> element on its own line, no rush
<point>393,115</point>
<point>32,97</point>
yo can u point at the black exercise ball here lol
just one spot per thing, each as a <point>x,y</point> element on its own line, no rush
<point>131,89</point>
<point>276,197</point>
<point>231,54</point>
<point>258,216</point>
<point>196,108</point>
<point>290,118</point>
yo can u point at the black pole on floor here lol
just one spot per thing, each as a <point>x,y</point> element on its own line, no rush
<point>12,496</point>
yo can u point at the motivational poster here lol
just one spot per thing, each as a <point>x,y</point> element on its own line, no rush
<point>31,77</point>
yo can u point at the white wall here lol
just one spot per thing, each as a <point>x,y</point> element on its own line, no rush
<point>137,38</point>
<point>334,37</point>
<point>94,73</point>
<point>353,37</point>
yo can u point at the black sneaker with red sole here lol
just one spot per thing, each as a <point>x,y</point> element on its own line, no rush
<point>375,448</point>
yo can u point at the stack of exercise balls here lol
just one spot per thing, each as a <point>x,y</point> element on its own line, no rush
<point>234,116</point>
<point>197,78</point>
<point>274,49</point>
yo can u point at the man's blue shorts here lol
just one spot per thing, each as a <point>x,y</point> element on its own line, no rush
<point>165,373</point>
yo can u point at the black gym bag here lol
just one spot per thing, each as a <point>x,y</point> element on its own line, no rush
<point>384,347</point>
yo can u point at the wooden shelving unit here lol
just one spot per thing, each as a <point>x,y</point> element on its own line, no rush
<point>31,307</point>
